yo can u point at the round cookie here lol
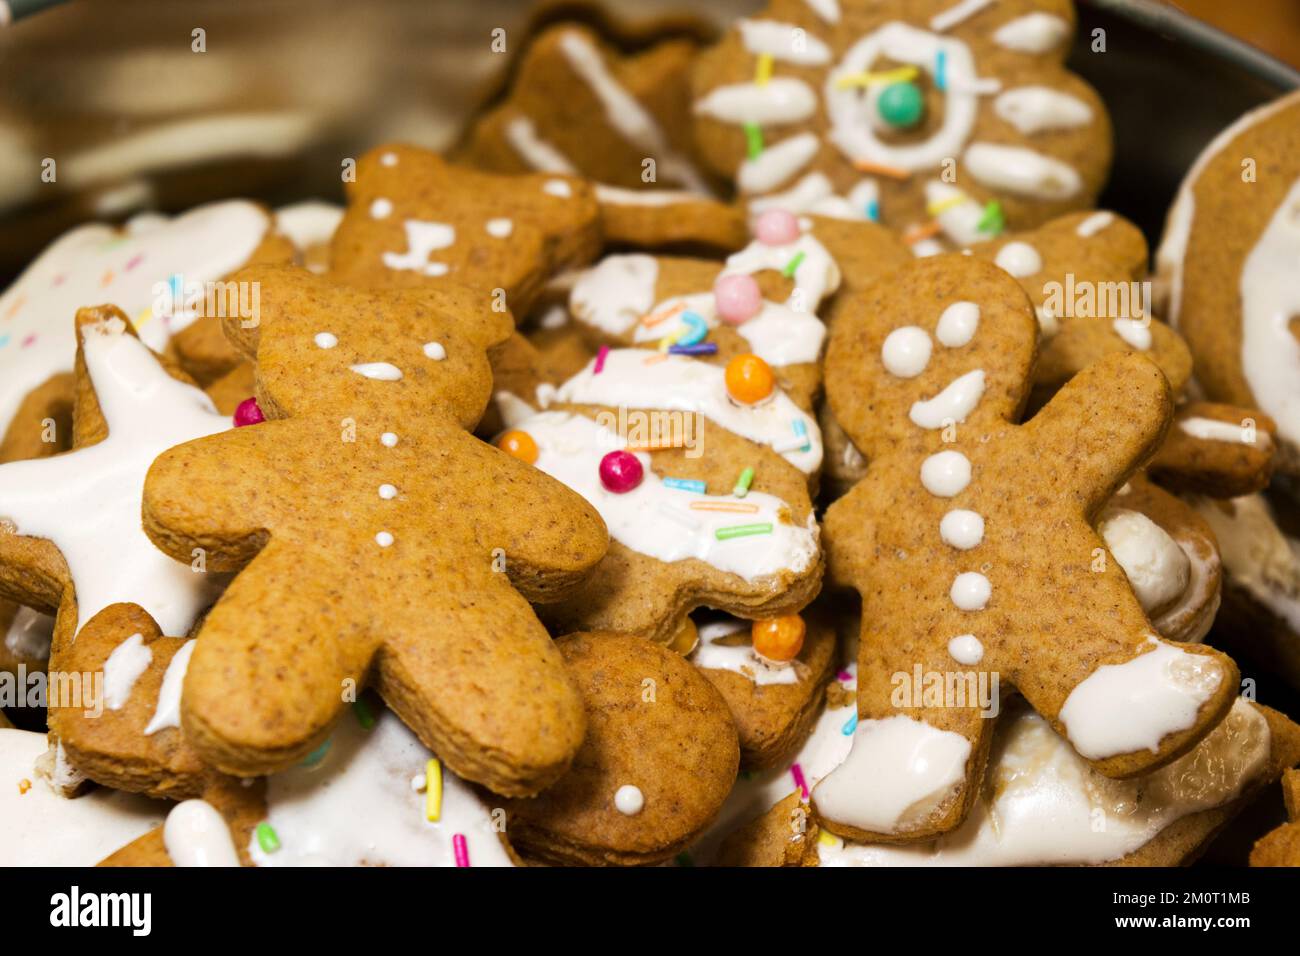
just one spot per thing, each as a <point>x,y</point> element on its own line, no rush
<point>954,116</point>
<point>659,759</point>
<point>1227,258</point>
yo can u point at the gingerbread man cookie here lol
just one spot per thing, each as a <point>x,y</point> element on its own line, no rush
<point>397,566</point>
<point>1282,846</point>
<point>414,219</point>
<point>961,517</point>
<point>957,116</point>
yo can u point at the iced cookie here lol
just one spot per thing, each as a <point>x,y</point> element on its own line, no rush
<point>576,106</point>
<point>377,542</point>
<point>646,218</point>
<point>658,760</point>
<point>1223,451</point>
<point>955,117</point>
<point>1282,846</point>
<point>310,226</point>
<point>962,522</point>
<point>414,219</point>
<point>1230,242</point>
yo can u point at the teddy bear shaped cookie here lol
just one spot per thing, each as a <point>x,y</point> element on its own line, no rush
<point>405,564</point>
<point>961,519</point>
<point>887,105</point>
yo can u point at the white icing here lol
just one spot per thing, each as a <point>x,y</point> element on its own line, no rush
<point>435,351</point>
<point>558,188</point>
<point>966,649</point>
<point>1270,299</point>
<point>195,834</point>
<point>422,240</point>
<point>740,659</point>
<point>500,228</point>
<point>1123,708</point>
<point>615,196</point>
<point>326,340</point>
<point>1209,429</point>
<point>897,772</point>
<point>308,224</point>
<point>94,264</point>
<point>970,591</point>
<point>957,13</point>
<point>381,371</point>
<point>815,195</point>
<point>43,828</point>
<point>953,404</point>
<point>782,99</point>
<point>960,220</point>
<point>828,10</point>
<point>615,293</point>
<point>1037,109</point>
<point>962,529</point>
<point>816,276</point>
<point>123,668</point>
<point>625,114</point>
<point>1020,259</point>
<point>356,806</point>
<point>1136,332</point>
<point>777,163</point>
<point>167,712</point>
<point>513,409</point>
<point>778,334</point>
<point>87,502</point>
<point>387,492</point>
<point>1022,171</point>
<point>1032,33</point>
<point>656,520</point>
<point>629,800</point>
<point>783,41</point>
<point>906,351</point>
<point>384,539</point>
<point>537,152</point>
<point>1154,564</point>
<point>677,383</point>
<point>388,439</point>
<point>946,473</point>
<point>1256,555</point>
<point>1094,224</point>
<point>957,324</point>
<point>381,208</point>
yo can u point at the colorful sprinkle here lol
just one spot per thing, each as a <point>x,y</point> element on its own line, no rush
<point>938,208</point>
<point>730,507</point>
<point>107,278</point>
<point>919,233</point>
<point>704,348</point>
<point>873,210</point>
<point>433,790</point>
<point>461,849</point>
<point>880,169</point>
<point>27,341</point>
<point>792,265</point>
<point>902,74</point>
<point>743,530</point>
<point>796,771</point>
<point>941,71</point>
<point>663,315</point>
<point>763,69</point>
<point>134,261</point>
<point>686,484</point>
<point>267,838</point>
<point>992,221</point>
<point>16,307</point>
<point>826,838</point>
<point>753,140</point>
<point>317,755</point>
<point>602,353</point>
<point>695,330</point>
<point>362,711</point>
<point>743,482</point>
<point>4,340</point>
<point>656,358</point>
<point>850,725</point>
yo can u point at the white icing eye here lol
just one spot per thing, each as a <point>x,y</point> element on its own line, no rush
<point>381,209</point>
<point>906,351</point>
<point>500,228</point>
<point>957,324</point>
<point>383,539</point>
<point>388,159</point>
<point>435,351</point>
<point>558,187</point>
<point>387,492</point>
<point>388,439</point>
<point>1020,259</point>
<point>326,340</point>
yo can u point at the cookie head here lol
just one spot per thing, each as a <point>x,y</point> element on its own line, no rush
<point>324,347</point>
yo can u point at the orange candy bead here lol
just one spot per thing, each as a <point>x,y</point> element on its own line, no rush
<point>778,639</point>
<point>520,444</point>
<point>749,379</point>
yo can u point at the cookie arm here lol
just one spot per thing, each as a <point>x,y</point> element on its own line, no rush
<point>848,536</point>
<point>1219,450</point>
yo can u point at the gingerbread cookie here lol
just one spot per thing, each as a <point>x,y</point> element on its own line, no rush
<point>1223,451</point>
<point>310,225</point>
<point>414,219</point>
<point>955,117</point>
<point>953,530</point>
<point>1226,255</point>
<point>398,565</point>
<point>669,219</point>
<point>1282,846</point>
<point>658,760</point>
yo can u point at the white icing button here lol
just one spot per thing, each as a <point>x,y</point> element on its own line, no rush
<point>629,800</point>
<point>558,187</point>
<point>388,439</point>
<point>387,492</point>
<point>970,591</point>
<point>961,529</point>
<point>326,340</point>
<point>957,324</point>
<point>381,209</point>
<point>388,159</point>
<point>383,539</point>
<point>1020,259</point>
<point>500,228</point>
<point>435,351</point>
<point>945,474</point>
<point>966,649</point>
<point>906,351</point>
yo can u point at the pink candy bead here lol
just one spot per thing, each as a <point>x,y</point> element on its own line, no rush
<point>248,413</point>
<point>776,227</point>
<point>738,298</point>
<point>620,472</point>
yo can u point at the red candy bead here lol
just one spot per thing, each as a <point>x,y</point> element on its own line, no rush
<point>776,227</point>
<point>248,413</point>
<point>621,471</point>
<point>738,298</point>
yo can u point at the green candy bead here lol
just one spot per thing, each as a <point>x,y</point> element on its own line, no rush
<point>901,104</point>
